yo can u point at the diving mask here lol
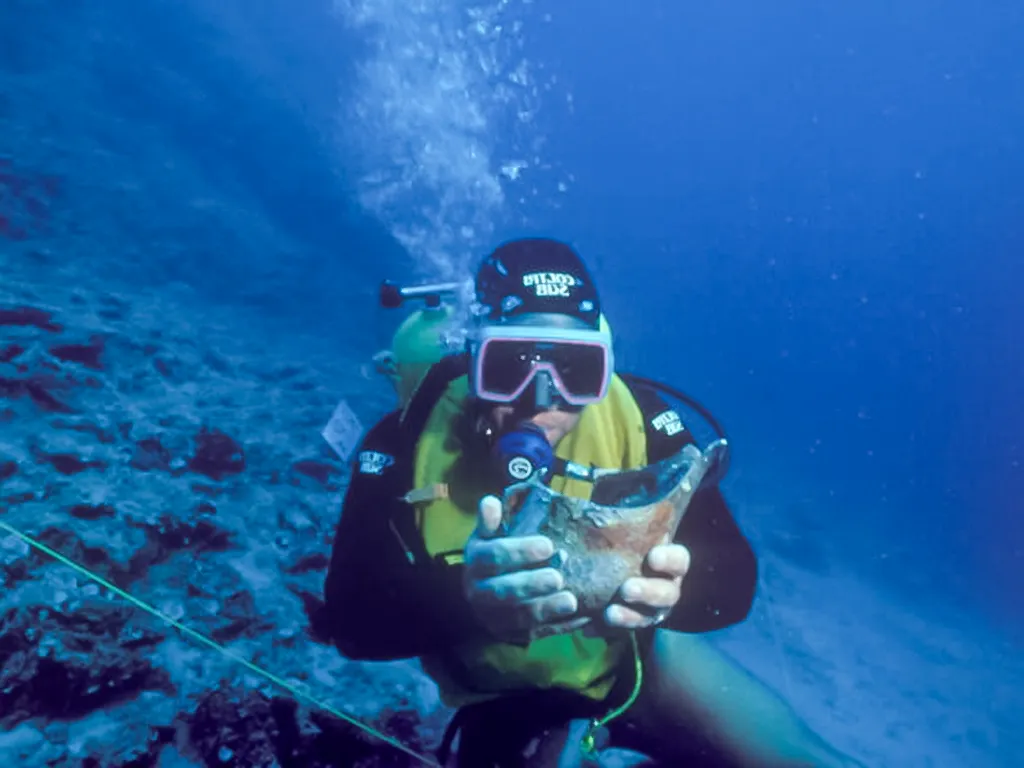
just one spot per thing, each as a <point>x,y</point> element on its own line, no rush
<point>575,363</point>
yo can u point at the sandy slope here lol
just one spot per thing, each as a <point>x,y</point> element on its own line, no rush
<point>895,684</point>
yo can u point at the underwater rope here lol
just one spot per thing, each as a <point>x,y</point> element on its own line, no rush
<point>588,741</point>
<point>198,636</point>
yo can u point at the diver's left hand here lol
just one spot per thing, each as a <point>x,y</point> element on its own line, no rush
<point>643,601</point>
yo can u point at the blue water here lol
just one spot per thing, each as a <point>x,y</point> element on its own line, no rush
<point>810,216</point>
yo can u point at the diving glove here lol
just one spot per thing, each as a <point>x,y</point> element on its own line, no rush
<point>509,581</point>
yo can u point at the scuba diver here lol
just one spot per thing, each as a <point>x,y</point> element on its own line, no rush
<point>424,566</point>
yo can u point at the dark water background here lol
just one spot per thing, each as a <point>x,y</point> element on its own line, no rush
<point>823,211</point>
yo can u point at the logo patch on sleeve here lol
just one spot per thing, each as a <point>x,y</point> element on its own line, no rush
<point>668,422</point>
<point>374,463</point>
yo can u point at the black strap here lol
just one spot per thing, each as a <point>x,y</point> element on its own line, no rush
<point>411,423</point>
<point>631,379</point>
<point>574,470</point>
<point>430,389</point>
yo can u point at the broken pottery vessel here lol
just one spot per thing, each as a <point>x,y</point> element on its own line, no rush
<point>601,542</point>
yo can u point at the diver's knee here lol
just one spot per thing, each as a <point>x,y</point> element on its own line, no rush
<point>673,660</point>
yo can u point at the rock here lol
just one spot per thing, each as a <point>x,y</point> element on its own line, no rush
<point>56,664</point>
<point>29,316</point>
<point>20,497</point>
<point>10,352</point>
<point>320,471</point>
<point>232,727</point>
<point>21,744</point>
<point>174,534</point>
<point>236,728</point>
<point>164,367</point>
<point>216,362</point>
<point>316,561</point>
<point>168,534</point>
<point>203,489</point>
<point>35,388</point>
<point>90,355</point>
<point>150,454</point>
<point>70,464</point>
<point>216,455</point>
<point>8,469</point>
<point>113,567</point>
<point>133,735</point>
<point>238,616</point>
<point>87,426</point>
<point>92,511</point>
<point>315,610</point>
<point>113,308</point>
<point>27,197</point>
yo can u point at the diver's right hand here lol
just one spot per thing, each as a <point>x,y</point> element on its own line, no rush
<point>507,582</point>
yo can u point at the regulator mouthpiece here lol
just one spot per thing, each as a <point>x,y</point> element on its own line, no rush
<point>522,454</point>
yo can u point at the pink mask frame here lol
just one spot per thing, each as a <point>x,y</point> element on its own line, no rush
<point>554,335</point>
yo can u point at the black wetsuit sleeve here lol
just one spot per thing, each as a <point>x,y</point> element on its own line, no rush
<point>719,588</point>
<point>384,598</point>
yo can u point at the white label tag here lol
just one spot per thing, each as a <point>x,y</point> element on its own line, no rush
<point>343,431</point>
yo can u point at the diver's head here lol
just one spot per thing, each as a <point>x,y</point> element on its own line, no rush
<point>540,348</point>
